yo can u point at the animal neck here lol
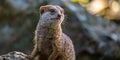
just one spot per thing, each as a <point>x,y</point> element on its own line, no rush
<point>46,31</point>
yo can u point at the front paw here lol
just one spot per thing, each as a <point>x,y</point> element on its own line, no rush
<point>29,57</point>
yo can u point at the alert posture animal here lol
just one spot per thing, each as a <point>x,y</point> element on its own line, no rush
<point>50,42</point>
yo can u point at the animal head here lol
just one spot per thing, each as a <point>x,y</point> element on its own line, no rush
<point>52,14</point>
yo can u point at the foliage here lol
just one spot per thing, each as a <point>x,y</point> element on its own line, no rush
<point>81,1</point>
<point>109,9</point>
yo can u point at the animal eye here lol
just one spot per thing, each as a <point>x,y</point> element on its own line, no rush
<point>52,10</point>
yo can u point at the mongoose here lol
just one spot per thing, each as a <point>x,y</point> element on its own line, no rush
<point>50,42</point>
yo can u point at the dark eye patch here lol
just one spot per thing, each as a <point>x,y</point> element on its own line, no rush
<point>52,10</point>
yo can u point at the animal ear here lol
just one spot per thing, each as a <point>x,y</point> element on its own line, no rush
<point>42,9</point>
<point>62,10</point>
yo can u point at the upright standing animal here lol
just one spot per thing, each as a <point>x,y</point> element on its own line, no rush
<point>50,42</point>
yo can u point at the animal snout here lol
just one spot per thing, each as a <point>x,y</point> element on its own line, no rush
<point>59,16</point>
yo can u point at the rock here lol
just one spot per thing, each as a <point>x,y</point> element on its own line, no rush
<point>14,56</point>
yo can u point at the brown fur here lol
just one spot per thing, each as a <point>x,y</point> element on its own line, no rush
<point>50,42</point>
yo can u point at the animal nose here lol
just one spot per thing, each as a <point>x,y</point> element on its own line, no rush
<point>59,16</point>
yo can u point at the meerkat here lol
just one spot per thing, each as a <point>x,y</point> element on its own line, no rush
<point>50,42</point>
